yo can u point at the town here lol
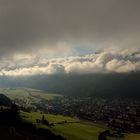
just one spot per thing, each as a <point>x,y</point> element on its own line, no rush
<point>117,113</point>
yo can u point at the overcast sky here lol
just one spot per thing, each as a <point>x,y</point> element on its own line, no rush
<point>40,29</point>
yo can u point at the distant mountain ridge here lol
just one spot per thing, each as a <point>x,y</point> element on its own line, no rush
<point>104,85</point>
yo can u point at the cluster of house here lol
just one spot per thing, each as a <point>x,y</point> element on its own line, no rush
<point>116,112</point>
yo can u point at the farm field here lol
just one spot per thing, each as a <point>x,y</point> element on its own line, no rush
<point>25,93</point>
<point>73,129</point>
<point>132,137</point>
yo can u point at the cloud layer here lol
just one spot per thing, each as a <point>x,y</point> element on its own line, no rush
<point>32,25</point>
<point>32,31</point>
<point>106,61</point>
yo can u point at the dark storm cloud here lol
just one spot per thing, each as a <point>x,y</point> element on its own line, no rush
<point>27,24</point>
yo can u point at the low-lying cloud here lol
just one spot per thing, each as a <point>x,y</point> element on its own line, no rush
<point>106,61</point>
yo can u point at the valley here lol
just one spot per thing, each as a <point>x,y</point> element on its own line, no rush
<point>75,118</point>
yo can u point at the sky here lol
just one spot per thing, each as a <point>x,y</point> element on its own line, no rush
<point>69,36</point>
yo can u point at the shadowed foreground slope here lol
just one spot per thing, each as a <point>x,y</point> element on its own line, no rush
<point>12,127</point>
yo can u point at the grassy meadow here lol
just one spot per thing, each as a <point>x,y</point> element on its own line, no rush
<point>20,93</point>
<point>74,129</point>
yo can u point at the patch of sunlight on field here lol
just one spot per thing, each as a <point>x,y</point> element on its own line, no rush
<point>78,131</point>
<point>34,94</point>
<point>74,129</point>
<point>132,137</point>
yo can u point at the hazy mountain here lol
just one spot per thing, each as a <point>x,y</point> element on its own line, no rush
<point>126,85</point>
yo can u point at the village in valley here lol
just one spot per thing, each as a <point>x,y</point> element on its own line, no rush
<point>117,113</point>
